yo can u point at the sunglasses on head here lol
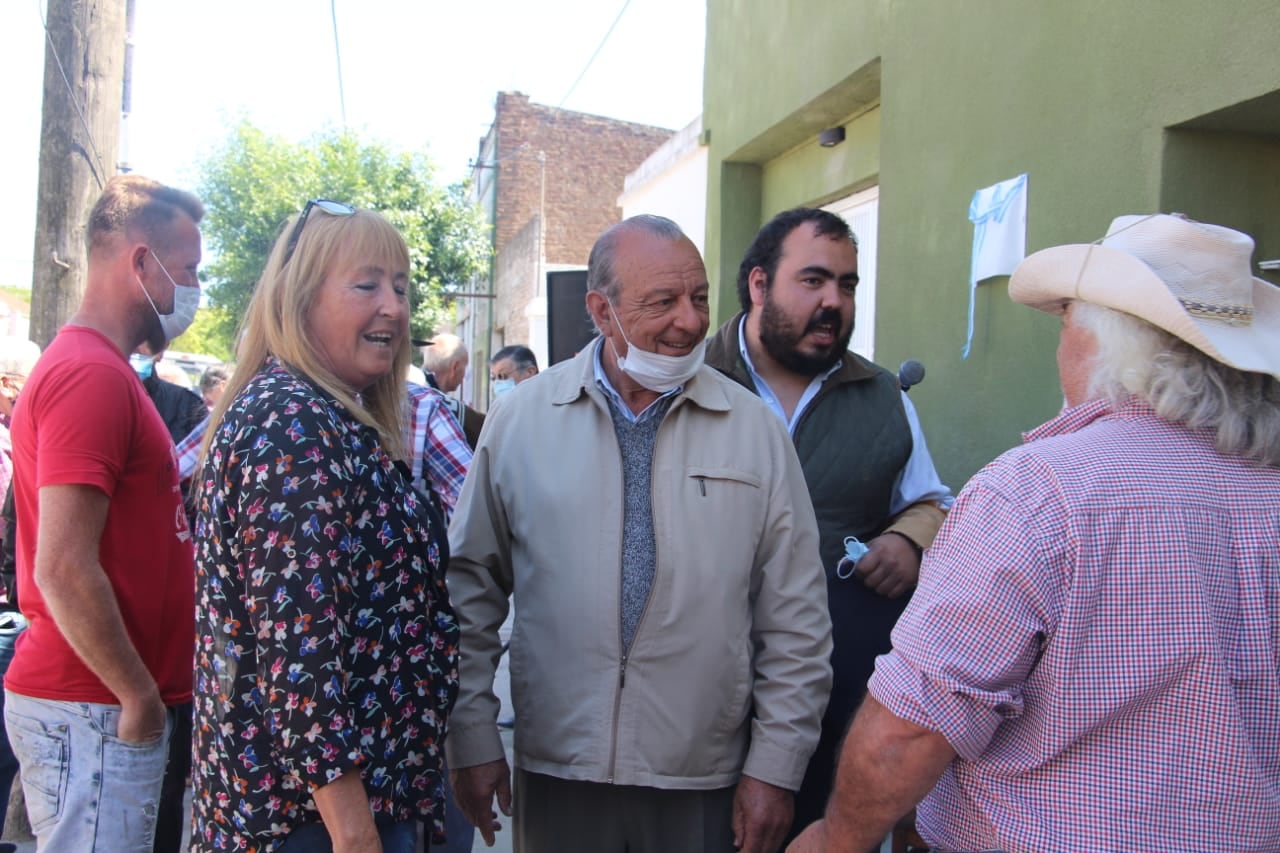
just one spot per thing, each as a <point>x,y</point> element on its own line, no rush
<point>333,208</point>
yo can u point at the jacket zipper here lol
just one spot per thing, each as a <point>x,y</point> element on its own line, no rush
<point>617,705</point>
<point>622,662</point>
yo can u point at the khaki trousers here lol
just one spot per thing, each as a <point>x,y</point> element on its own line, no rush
<point>562,816</point>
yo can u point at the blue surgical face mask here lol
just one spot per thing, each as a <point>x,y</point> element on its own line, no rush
<point>143,365</point>
<point>502,386</point>
<point>186,301</point>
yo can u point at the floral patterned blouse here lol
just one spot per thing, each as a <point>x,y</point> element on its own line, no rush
<point>324,636</point>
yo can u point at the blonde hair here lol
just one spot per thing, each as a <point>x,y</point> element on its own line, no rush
<point>275,323</point>
<point>1182,384</point>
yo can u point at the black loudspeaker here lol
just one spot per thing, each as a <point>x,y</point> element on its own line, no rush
<point>569,327</point>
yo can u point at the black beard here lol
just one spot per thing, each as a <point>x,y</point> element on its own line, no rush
<point>781,341</point>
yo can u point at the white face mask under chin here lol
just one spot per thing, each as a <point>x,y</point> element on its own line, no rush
<point>659,373</point>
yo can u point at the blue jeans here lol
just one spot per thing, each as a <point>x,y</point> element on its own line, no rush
<point>314,838</point>
<point>86,789</point>
<point>12,624</point>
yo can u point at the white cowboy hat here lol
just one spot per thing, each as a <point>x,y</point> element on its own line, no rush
<point>1191,279</point>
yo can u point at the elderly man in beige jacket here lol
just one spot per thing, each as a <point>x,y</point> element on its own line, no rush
<point>671,643</point>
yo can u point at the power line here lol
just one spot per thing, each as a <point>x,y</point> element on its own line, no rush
<point>337,54</point>
<point>599,48</point>
<point>71,96</point>
<point>493,163</point>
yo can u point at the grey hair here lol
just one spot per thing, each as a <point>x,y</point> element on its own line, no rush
<point>442,352</point>
<point>522,358</point>
<point>1182,384</point>
<point>600,275</point>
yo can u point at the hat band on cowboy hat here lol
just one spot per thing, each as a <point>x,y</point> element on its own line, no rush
<point>1189,278</point>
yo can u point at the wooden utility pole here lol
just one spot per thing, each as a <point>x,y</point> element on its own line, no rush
<point>79,145</point>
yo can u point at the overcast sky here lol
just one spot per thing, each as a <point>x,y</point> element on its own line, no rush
<point>417,74</point>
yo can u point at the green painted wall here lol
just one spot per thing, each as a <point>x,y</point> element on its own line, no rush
<point>811,174</point>
<point>776,74</point>
<point>1110,108</point>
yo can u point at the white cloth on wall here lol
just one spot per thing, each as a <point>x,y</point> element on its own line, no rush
<point>999,217</point>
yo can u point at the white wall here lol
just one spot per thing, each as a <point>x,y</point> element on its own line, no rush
<point>862,211</point>
<point>672,182</point>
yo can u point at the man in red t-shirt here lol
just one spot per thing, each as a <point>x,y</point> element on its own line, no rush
<point>104,556</point>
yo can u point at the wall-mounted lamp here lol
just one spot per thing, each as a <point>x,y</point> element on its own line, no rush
<point>831,137</point>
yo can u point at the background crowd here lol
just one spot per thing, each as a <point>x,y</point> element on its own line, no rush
<point>742,611</point>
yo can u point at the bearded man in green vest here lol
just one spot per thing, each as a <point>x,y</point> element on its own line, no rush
<point>859,441</point>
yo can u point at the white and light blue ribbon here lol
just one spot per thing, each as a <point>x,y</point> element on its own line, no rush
<point>999,217</point>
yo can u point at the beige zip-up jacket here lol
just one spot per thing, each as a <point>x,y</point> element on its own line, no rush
<point>729,669</point>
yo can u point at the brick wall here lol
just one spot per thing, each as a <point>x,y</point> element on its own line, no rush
<point>587,159</point>
<point>513,279</point>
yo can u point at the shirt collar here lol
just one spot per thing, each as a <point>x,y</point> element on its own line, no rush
<point>603,383</point>
<point>766,393</point>
<point>1069,420</point>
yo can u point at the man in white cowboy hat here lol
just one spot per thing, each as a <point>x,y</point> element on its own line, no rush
<point>1092,658</point>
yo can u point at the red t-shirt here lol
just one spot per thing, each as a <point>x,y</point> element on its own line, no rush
<point>84,418</point>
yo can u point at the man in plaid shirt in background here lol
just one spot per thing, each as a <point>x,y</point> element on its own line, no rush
<point>1092,658</point>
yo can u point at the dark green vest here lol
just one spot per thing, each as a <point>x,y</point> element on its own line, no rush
<point>853,440</point>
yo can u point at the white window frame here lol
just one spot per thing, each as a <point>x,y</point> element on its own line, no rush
<point>862,211</point>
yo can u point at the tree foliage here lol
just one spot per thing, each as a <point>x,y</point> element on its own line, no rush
<point>255,181</point>
<point>208,334</point>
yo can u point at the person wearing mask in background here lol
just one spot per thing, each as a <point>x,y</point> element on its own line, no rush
<point>509,367</point>
<point>650,519</point>
<point>326,648</point>
<point>864,456</point>
<point>1092,660</point>
<point>179,408</point>
<point>444,361</point>
<point>104,555</point>
<point>18,357</point>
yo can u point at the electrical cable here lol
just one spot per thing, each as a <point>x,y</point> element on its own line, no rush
<point>337,54</point>
<point>71,95</point>
<point>490,164</point>
<point>599,48</point>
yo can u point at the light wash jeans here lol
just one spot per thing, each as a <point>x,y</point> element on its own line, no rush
<point>314,838</point>
<point>87,790</point>
<point>12,624</point>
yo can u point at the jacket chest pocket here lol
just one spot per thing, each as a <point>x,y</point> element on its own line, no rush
<point>725,508</point>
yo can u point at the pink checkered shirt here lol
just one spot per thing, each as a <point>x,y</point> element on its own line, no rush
<point>1097,634</point>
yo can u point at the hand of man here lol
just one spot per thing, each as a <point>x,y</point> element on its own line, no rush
<point>891,565</point>
<point>812,840</point>
<point>762,816</point>
<point>141,720</point>
<point>474,789</point>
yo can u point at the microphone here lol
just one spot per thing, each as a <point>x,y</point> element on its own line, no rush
<point>910,372</point>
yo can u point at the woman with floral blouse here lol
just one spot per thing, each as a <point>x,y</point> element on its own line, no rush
<point>326,649</point>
